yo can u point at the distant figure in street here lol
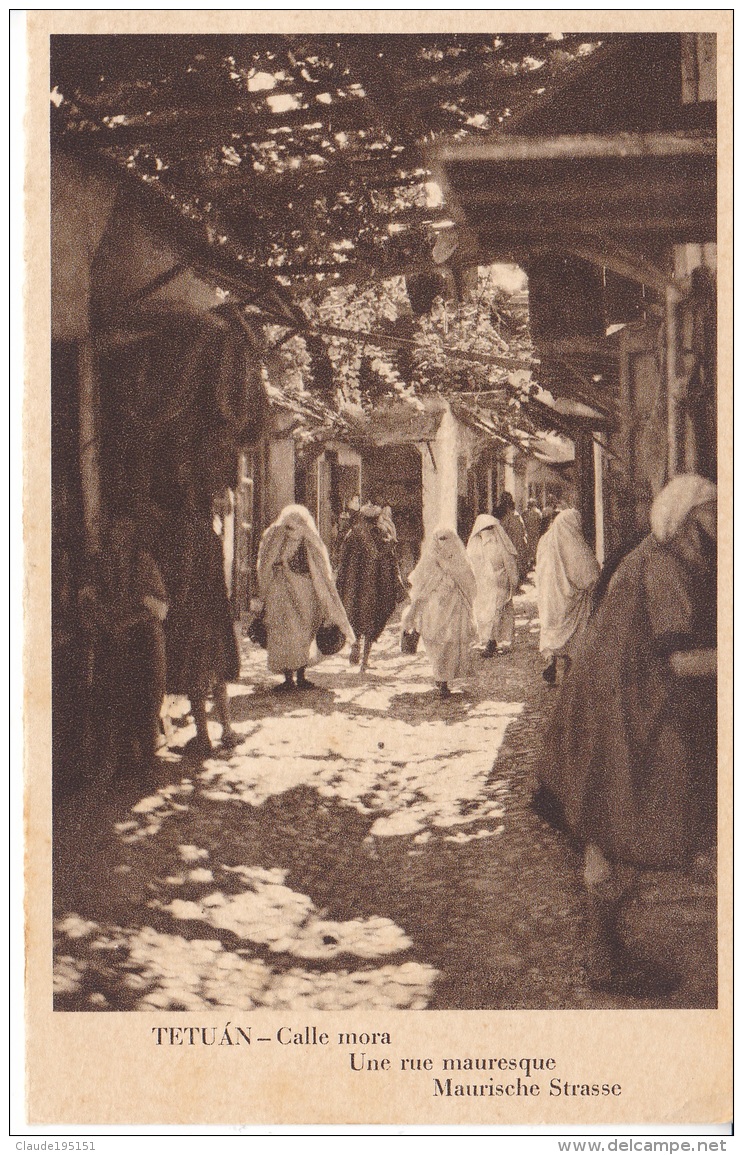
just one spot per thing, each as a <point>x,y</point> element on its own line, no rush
<point>338,531</point>
<point>548,516</point>
<point>346,519</point>
<point>513,523</point>
<point>295,583</point>
<point>123,606</point>
<point>566,575</point>
<point>492,555</point>
<point>367,581</point>
<point>388,530</point>
<point>629,760</point>
<point>443,591</point>
<point>201,644</point>
<point>386,525</point>
<point>533,525</point>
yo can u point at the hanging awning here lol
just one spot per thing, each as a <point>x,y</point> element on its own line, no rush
<point>112,267</point>
<point>396,424</point>
<point>553,449</point>
<point>598,195</point>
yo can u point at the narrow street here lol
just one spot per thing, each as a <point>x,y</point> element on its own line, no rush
<point>367,845</point>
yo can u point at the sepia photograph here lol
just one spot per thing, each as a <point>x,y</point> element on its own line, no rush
<point>383,468</point>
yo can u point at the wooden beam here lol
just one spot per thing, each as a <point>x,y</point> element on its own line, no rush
<point>523,188</point>
<point>158,282</point>
<point>628,261</point>
<point>413,215</point>
<point>365,265</point>
<point>579,190</point>
<point>569,422</point>
<point>590,146</point>
<point>235,119</point>
<point>599,347</point>
<point>386,340</point>
<point>478,77</point>
<point>356,172</point>
<point>89,446</point>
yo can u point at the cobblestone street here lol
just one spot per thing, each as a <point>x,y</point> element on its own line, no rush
<point>367,845</point>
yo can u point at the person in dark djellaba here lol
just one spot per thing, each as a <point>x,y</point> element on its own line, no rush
<point>513,523</point>
<point>202,653</point>
<point>532,519</point>
<point>368,580</point>
<point>629,757</point>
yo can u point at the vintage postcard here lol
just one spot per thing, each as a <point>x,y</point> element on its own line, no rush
<point>378,504</point>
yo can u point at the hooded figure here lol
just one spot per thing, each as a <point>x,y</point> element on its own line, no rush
<point>295,582</point>
<point>567,572</point>
<point>628,764</point>
<point>443,591</point>
<point>368,579</point>
<point>492,555</point>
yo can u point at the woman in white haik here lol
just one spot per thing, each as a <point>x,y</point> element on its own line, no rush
<point>443,590</point>
<point>296,586</point>
<point>492,556</point>
<point>566,575</point>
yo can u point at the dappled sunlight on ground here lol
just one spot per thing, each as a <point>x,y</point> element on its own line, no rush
<point>271,913</point>
<point>432,773</point>
<point>429,770</point>
<point>171,972</point>
<point>382,745</point>
<point>367,844</point>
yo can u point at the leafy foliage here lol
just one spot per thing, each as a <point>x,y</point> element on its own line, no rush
<point>303,155</point>
<point>301,164</point>
<point>449,351</point>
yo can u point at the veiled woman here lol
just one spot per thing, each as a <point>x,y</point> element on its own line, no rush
<point>566,575</point>
<point>492,555</point>
<point>296,586</point>
<point>443,591</point>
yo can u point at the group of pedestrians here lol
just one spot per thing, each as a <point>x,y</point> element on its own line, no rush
<point>159,621</point>
<point>475,587</point>
<point>627,764</point>
<point>464,596</point>
<point>299,594</point>
<point>459,596</point>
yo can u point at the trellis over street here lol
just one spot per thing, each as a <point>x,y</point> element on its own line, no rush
<point>226,209</point>
<point>279,167</point>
